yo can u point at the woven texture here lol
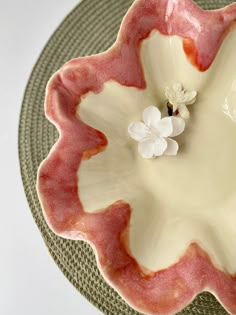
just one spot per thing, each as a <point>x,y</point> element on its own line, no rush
<point>90,28</point>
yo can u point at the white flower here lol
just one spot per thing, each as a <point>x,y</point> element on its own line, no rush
<point>153,134</point>
<point>180,98</point>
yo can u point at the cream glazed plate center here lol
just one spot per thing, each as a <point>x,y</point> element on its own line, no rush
<point>144,166</point>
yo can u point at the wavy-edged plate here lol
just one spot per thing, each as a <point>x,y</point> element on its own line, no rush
<point>163,230</point>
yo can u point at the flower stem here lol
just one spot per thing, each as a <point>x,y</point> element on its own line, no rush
<point>170,109</point>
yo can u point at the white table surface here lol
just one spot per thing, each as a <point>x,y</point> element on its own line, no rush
<point>30,281</point>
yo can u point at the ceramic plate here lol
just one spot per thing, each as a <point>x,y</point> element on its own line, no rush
<point>144,166</point>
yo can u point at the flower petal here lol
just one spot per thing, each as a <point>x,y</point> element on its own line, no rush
<point>175,106</point>
<point>138,131</point>
<point>159,146</point>
<point>172,147</point>
<point>178,125</point>
<point>165,127</point>
<point>170,94</point>
<point>177,87</point>
<point>151,116</point>
<point>189,97</point>
<point>146,149</point>
<point>183,111</point>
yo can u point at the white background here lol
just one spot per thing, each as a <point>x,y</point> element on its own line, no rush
<point>30,281</point>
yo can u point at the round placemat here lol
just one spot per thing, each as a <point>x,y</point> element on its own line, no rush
<point>90,28</point>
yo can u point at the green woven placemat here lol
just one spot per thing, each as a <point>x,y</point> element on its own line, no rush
<point>90,28</point>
